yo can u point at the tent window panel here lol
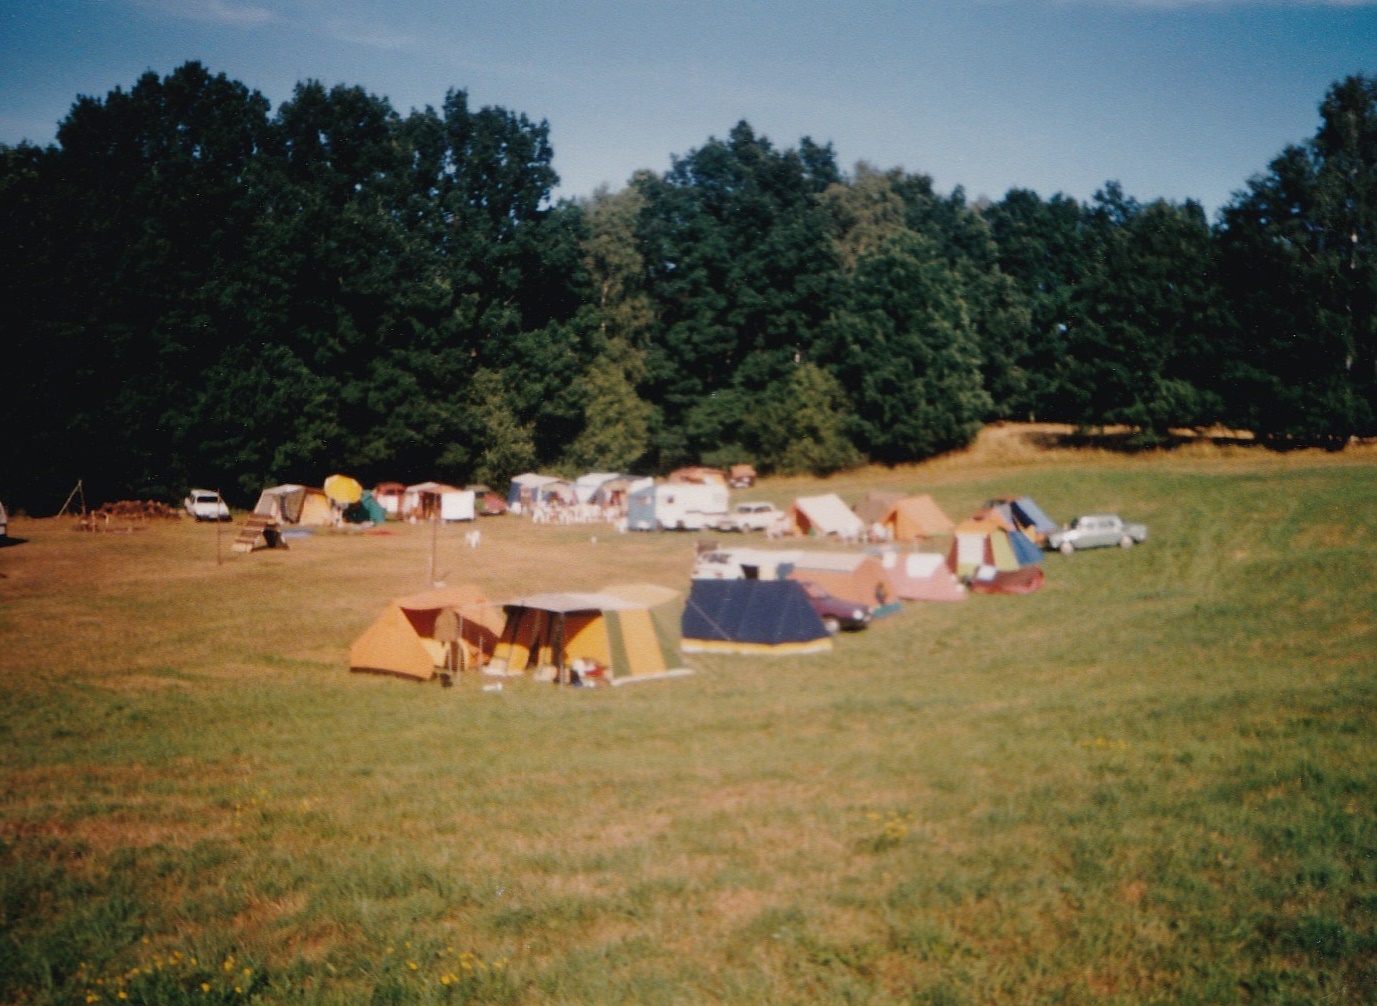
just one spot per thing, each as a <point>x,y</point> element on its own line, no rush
<point>643,652</point>
<point>586,636</point>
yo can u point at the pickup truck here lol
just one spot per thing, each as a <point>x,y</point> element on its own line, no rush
<point>1097,530</point>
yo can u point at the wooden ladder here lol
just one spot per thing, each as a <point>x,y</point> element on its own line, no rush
<point>258,532</point>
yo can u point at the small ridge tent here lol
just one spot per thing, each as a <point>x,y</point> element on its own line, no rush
<point>1025,515</point>
<point>771,617</point>
<point>914,518</point>
<point>921,576</point>
<point>294,504</point>
<point>982,541</point>
<point>858,577</point>
<point>874,505</point>
<point>825,514</point>
<point>618,630</point>
<point>443,630</point>
<point>366,511</point>
<point>1025,552</point>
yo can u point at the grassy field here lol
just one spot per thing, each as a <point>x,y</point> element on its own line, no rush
<point>1153,781</point>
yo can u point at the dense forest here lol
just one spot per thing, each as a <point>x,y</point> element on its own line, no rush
<point>200,290</point>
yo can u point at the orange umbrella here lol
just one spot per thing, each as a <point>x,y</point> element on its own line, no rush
<point>343,489</point>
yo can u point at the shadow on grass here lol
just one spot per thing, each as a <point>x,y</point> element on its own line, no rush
<point>1121,440</point>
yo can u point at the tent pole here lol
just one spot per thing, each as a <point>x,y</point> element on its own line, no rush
<point>75,490</point>
<point>434,534</point>
<point>561,673</point>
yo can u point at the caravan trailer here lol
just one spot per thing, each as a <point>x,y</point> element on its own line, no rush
<point>676,506</point>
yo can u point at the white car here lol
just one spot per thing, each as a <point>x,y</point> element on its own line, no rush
<point>1097,530</point>
<point>749,517</point>
<point>206,504</point>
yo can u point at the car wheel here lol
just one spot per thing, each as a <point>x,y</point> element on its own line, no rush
<point>1066,548</point>
<point>1126,541</point>
<point>831,624</point>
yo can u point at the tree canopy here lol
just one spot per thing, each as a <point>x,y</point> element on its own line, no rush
<point>200,289</point>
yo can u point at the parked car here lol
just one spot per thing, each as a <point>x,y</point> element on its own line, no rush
<point>206,504</point>
<point>1097,530</point>
<point>835,613</point>
<point>749,517</point>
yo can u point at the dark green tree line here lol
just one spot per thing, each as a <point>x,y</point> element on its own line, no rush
<point>198,289</point>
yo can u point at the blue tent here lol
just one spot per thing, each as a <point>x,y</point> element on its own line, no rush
<point>751,616</point>
<point>1025,551</point>
<point>1025,515</point>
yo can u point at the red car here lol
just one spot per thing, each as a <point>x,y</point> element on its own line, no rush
<point>835,613</point>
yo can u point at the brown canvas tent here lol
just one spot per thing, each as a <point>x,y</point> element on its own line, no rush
<point>873,507</point>
<point>914,518</point>
<point>437,631</point>
<point>857,577</point>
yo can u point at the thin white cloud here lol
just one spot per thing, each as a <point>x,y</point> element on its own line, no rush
<point>370,36</point>
<point>229,13</point>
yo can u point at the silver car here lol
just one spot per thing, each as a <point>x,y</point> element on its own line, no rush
<point>1097,530</point>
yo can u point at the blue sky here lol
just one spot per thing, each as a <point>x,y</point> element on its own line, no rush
<point>1173,98</point>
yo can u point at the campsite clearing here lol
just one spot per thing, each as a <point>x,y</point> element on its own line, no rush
<point>963,804</point>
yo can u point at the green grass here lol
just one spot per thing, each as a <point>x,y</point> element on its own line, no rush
<point>1152,781</point>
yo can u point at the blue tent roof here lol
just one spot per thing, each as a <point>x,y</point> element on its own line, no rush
<point>751,613</point>
<point>1031,514</point>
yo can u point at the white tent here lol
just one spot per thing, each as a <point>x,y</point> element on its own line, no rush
<point>826,514</point>
<point>586,485</point>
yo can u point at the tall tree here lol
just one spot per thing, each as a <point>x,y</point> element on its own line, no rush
<point>907,353</point>
<point>1300,254</point>
<point>740,266</point>
<point>1046,249</point>
<point>149,196</point>
<point>617,422</point>
<point>1143,350</point>
<point>798,424</point>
